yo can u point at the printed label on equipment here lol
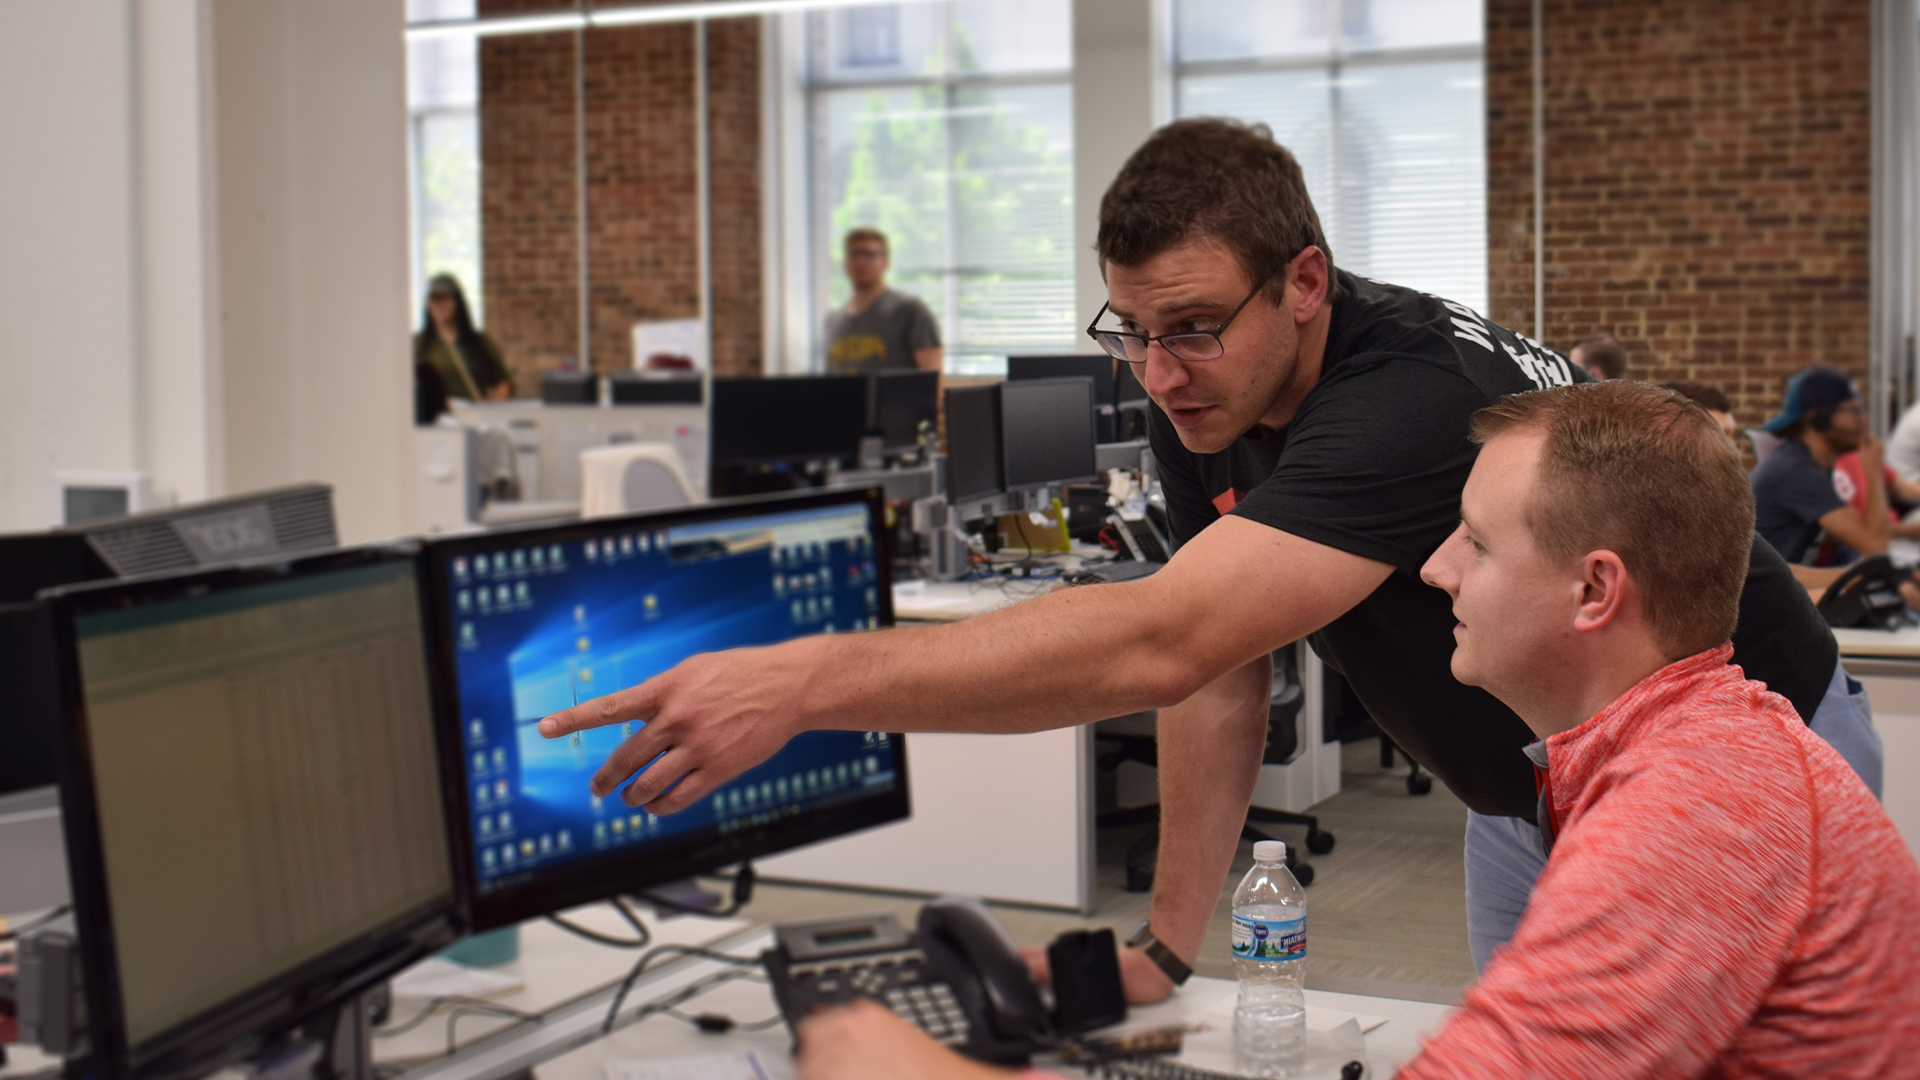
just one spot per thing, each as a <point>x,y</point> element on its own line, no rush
<point>1269,939</point>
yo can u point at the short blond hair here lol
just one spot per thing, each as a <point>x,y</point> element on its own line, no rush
<point>1647,474</point>
<point>865,232</point>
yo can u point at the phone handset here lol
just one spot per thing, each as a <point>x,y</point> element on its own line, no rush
<point>1010,999</point>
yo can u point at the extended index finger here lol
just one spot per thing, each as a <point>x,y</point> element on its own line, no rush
<point>634,703</point>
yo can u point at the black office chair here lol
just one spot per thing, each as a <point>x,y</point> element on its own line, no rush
<point>1418,783</point>
<point>1132,738</point>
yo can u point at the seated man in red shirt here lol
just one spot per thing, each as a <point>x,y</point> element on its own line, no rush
<point>1722,894</point>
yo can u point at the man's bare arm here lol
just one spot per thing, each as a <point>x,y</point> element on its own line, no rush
<point>1233,594</point>
<point>1209,755</point>
<point>930,358</point>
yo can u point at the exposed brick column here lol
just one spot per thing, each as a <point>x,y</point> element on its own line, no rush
<point>1707,184</point>
<point>642,197</point>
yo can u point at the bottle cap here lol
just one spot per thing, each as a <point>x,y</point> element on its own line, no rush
<point>1269,851</point>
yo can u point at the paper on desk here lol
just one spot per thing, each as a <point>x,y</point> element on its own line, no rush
<point>434,977</point>
<point>741,1066</point>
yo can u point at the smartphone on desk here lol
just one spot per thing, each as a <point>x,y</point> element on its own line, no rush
<point>957,976</point>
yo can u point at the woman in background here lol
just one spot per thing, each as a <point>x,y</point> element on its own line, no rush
<point>450,350</point>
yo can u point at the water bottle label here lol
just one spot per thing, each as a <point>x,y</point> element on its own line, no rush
<point>1269,939</point>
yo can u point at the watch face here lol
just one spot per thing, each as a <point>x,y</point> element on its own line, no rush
<point>1140,936</point>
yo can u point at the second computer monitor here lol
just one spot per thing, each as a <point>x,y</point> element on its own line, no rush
<point>253,801</point>
<point>902,401</point>
<point>535,621</point>
<point>973,443</point>
<point>1099,368</point>
<point>1047,431</point>
<point>761,421</point>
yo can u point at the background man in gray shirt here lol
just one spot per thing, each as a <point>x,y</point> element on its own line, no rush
<point>879,328</point>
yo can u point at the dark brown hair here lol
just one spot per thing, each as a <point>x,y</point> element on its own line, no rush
<point>1707,397</point>
<point>1605,353</point>
<point>1646,474</point>
<point>864,232</point>
<point>1208,178</point>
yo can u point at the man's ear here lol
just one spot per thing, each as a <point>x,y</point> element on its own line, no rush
<point>1308,278</point>
<point>1604,589</point>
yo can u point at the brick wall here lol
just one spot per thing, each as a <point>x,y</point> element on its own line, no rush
<point>642,197</point>
<point>1707,184</point>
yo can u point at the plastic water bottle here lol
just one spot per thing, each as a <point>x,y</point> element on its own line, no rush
<point>1270,959</point>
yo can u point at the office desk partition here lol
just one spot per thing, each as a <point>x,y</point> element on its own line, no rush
<point>1011,817</point>
<point>1888,664</point>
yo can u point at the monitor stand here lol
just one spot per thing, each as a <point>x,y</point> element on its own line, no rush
<point>336,1045</point>
<point>683,897</point>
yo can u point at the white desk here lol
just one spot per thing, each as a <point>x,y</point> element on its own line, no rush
<point>1888,664</point>
<point>1207,1000</point>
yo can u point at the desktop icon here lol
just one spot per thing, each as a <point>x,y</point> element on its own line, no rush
<point>660,540</point>
<point>566,839</point>
<point>480,564</point>
<point>519,560</point>
<point>506,853</point>
<point>626,546</point>
<point>503,595</point>
<point>499,562</point>
<point>464,601</point>
<point>486,825</point>
<point>651,603</point>
<point>619,825</point>
<point>522,593</point>
<point>593,550</point>
<point>644,543</point>
<point>499,757</point>
<point>486,599</point>
<point>526,848</point>
<point>487,858</point>
<point>600,832</point>
<point>579,613</point>
<point>539,558</point>
<point>477,730</point>
<point>873,765</point>
<point>500,790</point>
<point>556,556</point>
<point>546,843</point>
<point>460,566</point>
<point>479,761</point>
<point>482,793</point>
<point>635,821</point>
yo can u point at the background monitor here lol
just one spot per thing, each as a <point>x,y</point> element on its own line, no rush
<point>973,443</point>
<point>759,421</point>
<point>902,400</point>
<point>534,621</point>
<point>1098,367</point>
<point>1047,429</point>
<point>1127,388</point>
<point>252,799</point>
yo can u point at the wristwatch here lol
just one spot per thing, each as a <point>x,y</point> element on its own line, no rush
<point>1157,951</point>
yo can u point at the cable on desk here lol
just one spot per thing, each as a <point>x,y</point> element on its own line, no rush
<point>720,1023</point>
<point>462,1003</point>
<point>641,939</point>
<point>742,894</point>
<point>640,968</point>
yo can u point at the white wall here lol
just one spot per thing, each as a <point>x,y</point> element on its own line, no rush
<point>1121,92</point>
<point>66,249</point>
<point>203,274</point>
<point>312,180</point>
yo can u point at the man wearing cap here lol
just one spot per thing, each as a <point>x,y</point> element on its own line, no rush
<point>1793,490</point>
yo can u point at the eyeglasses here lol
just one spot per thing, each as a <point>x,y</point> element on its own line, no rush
<point>1184,345</point>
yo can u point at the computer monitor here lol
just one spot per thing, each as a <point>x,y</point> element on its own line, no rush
<point>534,621</point>
<point>1127,388</point>
<point>902,401</point>
<point>1047,429</point>
<point>1098,367</point>
<point>973,443</point>
<point>252,800</point>
<point>761,421</point>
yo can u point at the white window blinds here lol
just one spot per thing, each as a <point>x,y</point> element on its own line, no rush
<point>1382,104</point>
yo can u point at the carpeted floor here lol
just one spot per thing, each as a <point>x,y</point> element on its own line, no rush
<point>1386,912</point>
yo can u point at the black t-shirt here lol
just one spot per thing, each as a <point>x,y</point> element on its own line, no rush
<point>1373,464</point>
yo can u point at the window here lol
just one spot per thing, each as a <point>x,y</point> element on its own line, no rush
<point>1382,103</point>
<point>949,127</point>
<point>443,133</point>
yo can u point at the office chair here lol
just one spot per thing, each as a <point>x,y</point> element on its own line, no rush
<point>1134,740</point>
<point>630,478</point>
<point>1418,783</point>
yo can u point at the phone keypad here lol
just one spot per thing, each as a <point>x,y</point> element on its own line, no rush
<point>933,1009</point>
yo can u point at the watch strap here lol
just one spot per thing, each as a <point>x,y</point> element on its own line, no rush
<point>1164,958</point>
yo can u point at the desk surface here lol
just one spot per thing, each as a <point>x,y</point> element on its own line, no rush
<point>1894,644</point>
<point>553,968</point>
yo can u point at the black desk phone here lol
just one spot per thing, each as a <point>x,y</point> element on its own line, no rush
<point>958,976</point>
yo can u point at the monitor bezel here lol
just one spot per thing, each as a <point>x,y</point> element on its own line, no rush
<point>997,442</point>
<point>616,872</point>
<point>227,1031</point>
<point>719,386</point>
<point>1006,451</point>
<point>1105,388</point>
<point>876,380</point>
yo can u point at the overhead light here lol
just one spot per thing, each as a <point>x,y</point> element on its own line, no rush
<point>624,15</point>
